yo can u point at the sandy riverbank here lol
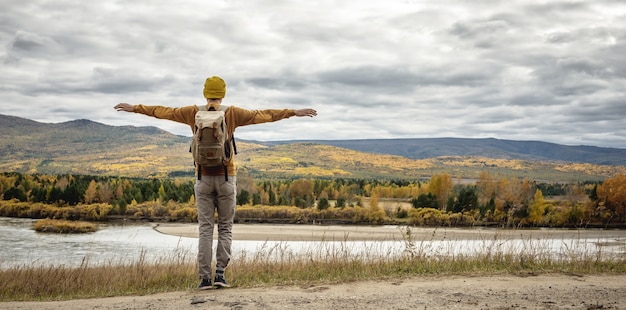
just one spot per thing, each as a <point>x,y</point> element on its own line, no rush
<point>303,232</point>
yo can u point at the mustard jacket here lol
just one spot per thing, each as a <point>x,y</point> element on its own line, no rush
<point>234,116</point>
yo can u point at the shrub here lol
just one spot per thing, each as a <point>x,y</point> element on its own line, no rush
<point>94,212</point>
<point>428,217</point>
<point>63,226</point>
<point>187,214</point>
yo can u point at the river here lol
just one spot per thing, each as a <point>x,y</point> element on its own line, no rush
<point>124,244</point>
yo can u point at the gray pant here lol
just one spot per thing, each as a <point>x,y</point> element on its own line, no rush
<point>215,193</point>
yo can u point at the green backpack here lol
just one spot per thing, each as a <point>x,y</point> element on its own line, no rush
<point>210,145</point>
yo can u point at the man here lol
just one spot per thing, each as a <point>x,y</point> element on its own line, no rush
<point>212,190</point>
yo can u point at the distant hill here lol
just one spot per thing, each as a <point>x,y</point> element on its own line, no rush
<point>490,148</point>
<point>87,147</point>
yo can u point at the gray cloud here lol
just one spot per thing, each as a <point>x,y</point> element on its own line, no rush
<point>527,70</point>
<point>101,81</point>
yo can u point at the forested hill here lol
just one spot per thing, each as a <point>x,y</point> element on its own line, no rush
<point>87,147</point>
<point>490,148</point>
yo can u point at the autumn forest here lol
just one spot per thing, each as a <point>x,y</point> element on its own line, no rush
<point>441,200</point>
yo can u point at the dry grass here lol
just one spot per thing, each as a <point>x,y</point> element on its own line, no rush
<point>277,264</point>
<point>113,279</point>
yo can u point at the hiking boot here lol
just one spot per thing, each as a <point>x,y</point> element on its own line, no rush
<point>220,282</point>
<point>205,284</point>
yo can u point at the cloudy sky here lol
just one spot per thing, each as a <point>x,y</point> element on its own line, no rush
<point>552,71</point>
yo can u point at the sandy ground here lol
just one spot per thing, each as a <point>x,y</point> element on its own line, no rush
<point>451,292</point>
<point>275,232</point>
<point>490,292</point>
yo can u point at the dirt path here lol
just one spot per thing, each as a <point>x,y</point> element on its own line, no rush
<point>480,292</point>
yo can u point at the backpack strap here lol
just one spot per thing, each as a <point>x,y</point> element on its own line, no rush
<point>224,108</point>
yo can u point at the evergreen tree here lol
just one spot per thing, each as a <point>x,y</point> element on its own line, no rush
<point>425,201</point>
<point>15,193</point>
<point>323,204</point>
<point>467,200</point>
<point>243,198</point>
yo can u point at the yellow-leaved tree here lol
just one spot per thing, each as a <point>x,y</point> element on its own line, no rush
<point>441,186</point>
<point>376,214</point>
<point>612,193</point>
<point>537,208</point>
<point>91,194</point>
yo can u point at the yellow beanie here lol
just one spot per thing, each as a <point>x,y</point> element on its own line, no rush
<point>214,88</point>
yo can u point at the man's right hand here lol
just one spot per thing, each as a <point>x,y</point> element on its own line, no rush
<point>125,107</point>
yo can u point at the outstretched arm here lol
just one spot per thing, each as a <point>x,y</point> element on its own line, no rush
<point>306,112</point>
<point>183,115</point>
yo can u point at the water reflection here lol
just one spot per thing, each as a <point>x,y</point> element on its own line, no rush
<point>124,244</point>
<point>21,245</point>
